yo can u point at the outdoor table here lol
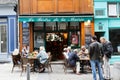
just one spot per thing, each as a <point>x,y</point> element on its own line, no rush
<point>32,61</point>
<point>82,63</point>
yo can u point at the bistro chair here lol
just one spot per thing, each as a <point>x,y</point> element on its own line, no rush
<point>24,62</point>
<point>67,65</point>
<point>47,64</point>
<point>16,59</point>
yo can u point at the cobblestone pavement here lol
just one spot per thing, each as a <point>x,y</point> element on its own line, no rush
<point>57,74</point>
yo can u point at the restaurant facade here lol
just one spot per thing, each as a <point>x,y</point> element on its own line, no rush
<point>55,25</point>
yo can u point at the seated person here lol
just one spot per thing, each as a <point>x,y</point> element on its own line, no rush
<point>15,52</point>
<point>42,56</point>
<point>72,59</point>
<point>65,53</point>
<point>25,51</point>
<point>83,52</point>
<point>77,63</point>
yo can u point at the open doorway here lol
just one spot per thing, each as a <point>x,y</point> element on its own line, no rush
<point>99,34</point>
<point>55,42</point>
<point>115,38</point>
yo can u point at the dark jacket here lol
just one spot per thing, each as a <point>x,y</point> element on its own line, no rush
<point>95,51</point>
<point>107,49</point>
<point>72,59</point>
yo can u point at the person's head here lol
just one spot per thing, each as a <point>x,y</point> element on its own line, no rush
<point>75,50</point>
<point>69,48</point>
<point>24,46</point>
<point>42,48</point>
<point>102,40</point>
<point>94,38</point>
<point>83,48</point>
<point>65,49</point>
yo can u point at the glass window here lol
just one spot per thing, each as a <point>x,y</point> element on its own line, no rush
<point>62,25</point>
<point>112,9</point>
<point>100,12</point>
<point>74,26</point>
<point>38,39</point>
<point>38,25</point>
<point>3,38</point>
<point>51,26</point>
<point>75,38</point>
<point>119,9</point>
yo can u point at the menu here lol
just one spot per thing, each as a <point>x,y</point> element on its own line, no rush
<point>26,36</point>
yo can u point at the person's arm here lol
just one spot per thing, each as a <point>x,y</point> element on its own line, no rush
<point>86,51</point>
<point>38,55</point>
<point>90,51</point>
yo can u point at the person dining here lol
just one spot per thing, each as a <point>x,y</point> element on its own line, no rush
<point>84,58</point>
<point>25,51</point>
<point>72,59</point>
<point>83,52</point>
<point>42,56</point>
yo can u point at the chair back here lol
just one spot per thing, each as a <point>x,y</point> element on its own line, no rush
<point>16,59</point>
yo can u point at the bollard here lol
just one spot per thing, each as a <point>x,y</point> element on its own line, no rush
<point>28,71</point>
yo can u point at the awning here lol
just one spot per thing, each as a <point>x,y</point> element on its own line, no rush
<point>54,18</point>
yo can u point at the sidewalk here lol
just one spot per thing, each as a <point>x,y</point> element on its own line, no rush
<point>57,74</point>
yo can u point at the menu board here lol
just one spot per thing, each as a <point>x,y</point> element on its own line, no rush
<point>26,35</point>
<point>87,40</point>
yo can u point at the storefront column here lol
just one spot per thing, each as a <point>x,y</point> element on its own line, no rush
<point>20,36</point>
<point>92,28</point>
<point>82,33</point>
<point>31,36</point>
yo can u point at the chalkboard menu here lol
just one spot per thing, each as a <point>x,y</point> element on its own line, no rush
<point>87,40</point>
<point>26,36</point>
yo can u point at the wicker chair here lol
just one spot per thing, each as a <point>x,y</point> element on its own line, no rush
<point>67,65</point>
<point>24,62</point>
<point>47,64</point>
<point>16,59</point>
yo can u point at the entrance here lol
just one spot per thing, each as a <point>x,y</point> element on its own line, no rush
<point>99,34</point>
<point>55,42</point>
<point>115,38</point>
<point>3,38</point>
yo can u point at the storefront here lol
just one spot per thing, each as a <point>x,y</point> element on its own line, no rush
<point>55,32</point>
<point>8,35</point>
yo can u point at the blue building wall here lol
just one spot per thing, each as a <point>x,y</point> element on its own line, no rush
<point>106,21</point>
<point>105,25</point>
<point>12,33</point>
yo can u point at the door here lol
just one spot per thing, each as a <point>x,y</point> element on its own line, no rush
<point>3,38</point>
<point>55,42</point>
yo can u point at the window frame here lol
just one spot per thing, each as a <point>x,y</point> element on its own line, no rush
<point>109,15</point>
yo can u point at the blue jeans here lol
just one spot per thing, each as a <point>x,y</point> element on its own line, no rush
<point>94,64</point>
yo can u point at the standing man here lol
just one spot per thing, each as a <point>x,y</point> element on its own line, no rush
<point>107,51</point>
<point>95,52</point>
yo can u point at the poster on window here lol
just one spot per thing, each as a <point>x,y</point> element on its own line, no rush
<point>74,39</point>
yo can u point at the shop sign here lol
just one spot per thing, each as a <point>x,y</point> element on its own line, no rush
<point>54,19</point>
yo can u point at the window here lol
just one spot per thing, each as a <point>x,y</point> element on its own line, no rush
<point>62,26</point>
<point>99,12</point>
<point>74,38</point>
<point>38,39</point>
<point>112,9</point>
<point>119,9</point>
<point>51,26</point>
<point>38,26</point>
<point>74,26</point>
